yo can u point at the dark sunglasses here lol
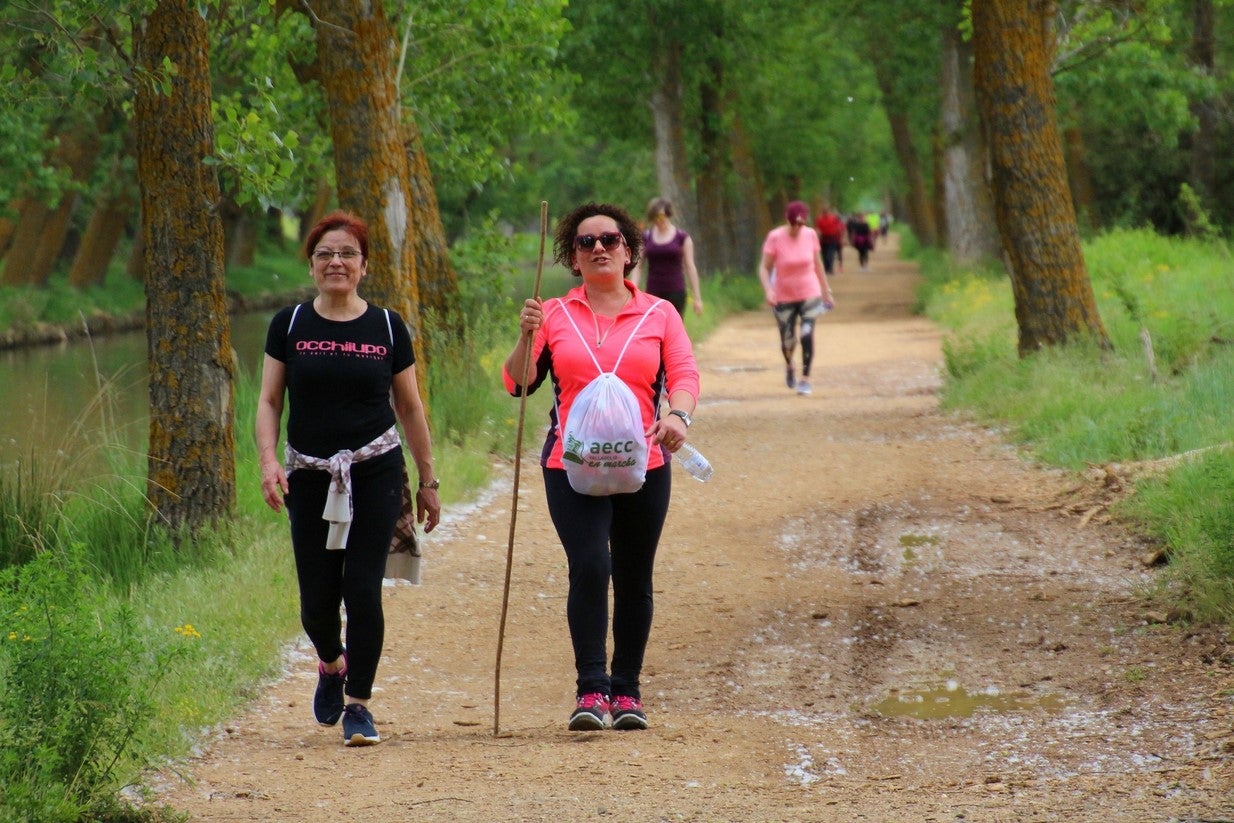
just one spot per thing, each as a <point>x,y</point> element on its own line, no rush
<point>610,240</point>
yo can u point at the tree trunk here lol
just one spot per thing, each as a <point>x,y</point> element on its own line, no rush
<point>323,196</point>
<point>272,231</point>
<point>135,266</point>
<point>716,247</point>
<point>192,438</point>
<point>750,218</point>
<point>1012,50</point>
<point>40,235</point>
<point>920,212</point>
<point>355,51</point>
<point>240,227</point>
<point>242,249</point>
<point>51,240</point>
<point>9,225</point>
<point>938,202</point>
<point>967,207</point>
<point>672,166</point>
<point>1079,181</point>
<point>1202,57</point>
<point>102,235</point>
<point>438,279</point>
<point>24,242</point>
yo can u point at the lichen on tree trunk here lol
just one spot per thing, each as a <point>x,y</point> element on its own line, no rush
<point>1012,49</point>
<point>191,479</point>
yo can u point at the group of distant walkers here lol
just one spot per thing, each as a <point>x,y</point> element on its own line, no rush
<point>860,229</point>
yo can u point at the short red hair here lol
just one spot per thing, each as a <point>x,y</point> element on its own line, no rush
<point>344,220</point>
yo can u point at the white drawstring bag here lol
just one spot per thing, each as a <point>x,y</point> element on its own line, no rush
<point>604,448</point>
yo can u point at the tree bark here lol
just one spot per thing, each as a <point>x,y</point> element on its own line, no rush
<point>39,238</point>
<point>882,52</point>
<point>751,219</point>
<point>240,227</point>
<point>967,207</point>
<point>191,478</point>
<point>436,273</point>
<point>135,266</point>
<point>920,212</point>
<point>322,197</point>
<point>102,235</point>
<point>9,225</point>
<point>242,240</point>
<point>716,247</point>
<point>1202,56</point>
<point>23,242</point>
<point>51,240</point>
<point>1012,51</point>
<point>355,53</point>
<point>1079,180</point>
<point>672,165</point>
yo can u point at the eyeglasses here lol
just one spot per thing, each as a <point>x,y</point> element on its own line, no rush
<point>610,240</point>
<point>325,255</point>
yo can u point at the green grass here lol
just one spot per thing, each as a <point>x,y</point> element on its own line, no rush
<point>1077,405</point>
<point>1190,509</point>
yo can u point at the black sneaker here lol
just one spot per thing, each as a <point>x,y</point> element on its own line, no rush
<point>328,699</point>
<point>628,713</point>
<point>358,728</point>
<point>790,379</point>
<point>591,713</point>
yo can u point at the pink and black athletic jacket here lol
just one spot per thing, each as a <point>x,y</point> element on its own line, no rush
<point>658,361</point>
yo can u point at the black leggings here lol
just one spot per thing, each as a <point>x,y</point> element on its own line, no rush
<point>787,315</point>
<point>832,255</point>
<point>676,298</point>
<point>863,253</point>
<point>350,577</point>
<point>609,537</point>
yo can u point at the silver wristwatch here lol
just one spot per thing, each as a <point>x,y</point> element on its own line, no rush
<point>683,415</point>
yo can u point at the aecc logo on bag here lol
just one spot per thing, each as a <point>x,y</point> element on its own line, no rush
<point>600,454</point>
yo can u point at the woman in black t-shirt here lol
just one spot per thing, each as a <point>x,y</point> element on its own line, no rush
<point>346,369</point>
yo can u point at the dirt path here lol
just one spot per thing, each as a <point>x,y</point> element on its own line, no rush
<point>859,574</point>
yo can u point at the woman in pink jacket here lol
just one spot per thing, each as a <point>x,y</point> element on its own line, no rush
<point>608,324</point>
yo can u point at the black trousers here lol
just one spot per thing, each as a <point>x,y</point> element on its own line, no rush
<point>613,537</point>
<point>351,577</point>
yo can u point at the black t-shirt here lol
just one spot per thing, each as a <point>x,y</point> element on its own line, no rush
<point>338,376</point>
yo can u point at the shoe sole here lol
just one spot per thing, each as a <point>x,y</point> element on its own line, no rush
<point>586,722</point>
<point>630,722</point>
<point>358,739</point>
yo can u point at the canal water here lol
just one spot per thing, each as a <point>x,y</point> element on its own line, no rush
<point>92,395</point>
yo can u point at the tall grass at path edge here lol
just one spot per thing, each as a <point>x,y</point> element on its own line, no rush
<point>1162,396</point>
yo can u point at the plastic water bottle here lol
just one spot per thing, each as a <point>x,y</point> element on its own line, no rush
<point>693,462</point>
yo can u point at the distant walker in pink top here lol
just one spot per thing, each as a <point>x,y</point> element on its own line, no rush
<point>795,287</point>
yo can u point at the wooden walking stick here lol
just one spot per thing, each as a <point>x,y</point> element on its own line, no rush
<point>518,463</point>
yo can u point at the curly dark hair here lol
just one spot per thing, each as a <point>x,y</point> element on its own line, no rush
<point>567,227</point>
